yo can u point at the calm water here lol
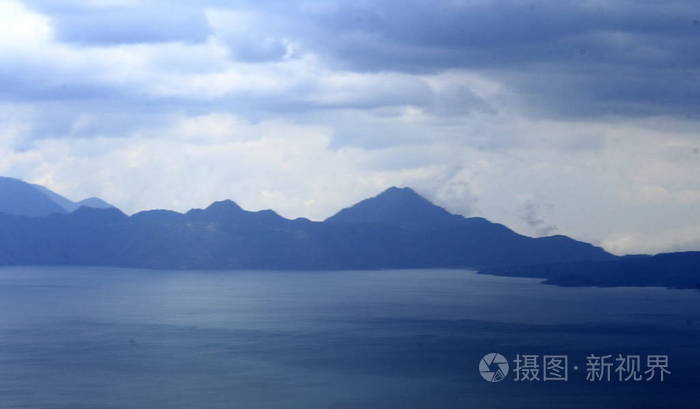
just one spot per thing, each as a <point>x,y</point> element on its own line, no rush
<point>116,338</point>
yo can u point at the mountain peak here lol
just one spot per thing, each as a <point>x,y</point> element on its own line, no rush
<point>217,210</point>
<point>94,202</point>
<point>224,205</point>
<point>396,206</point>
<point>405,192</point>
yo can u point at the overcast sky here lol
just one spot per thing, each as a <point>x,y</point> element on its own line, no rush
<point>552,117</point>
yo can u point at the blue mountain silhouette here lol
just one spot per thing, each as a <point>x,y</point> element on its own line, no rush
<point>396,229</point>
<point>21,198</point>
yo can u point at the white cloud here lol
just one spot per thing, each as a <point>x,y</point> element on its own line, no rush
<point>21,28</point>
<point>679,239</point>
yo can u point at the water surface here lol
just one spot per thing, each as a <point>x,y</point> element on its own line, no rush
<point>122,338</point>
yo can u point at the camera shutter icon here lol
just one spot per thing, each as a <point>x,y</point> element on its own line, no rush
<point>493,367</point>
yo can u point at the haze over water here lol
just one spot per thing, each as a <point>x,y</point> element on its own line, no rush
<point>118,338</point>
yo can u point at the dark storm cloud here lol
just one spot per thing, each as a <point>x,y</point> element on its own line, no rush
<point>422,36</point>
<point>512,32</point>
<point>557,58</point>
<point>563,58</point>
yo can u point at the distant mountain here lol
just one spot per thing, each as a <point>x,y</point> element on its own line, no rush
<point>93,202</point>
<point>456,240</point>
<point>674,270</point>
<point>396,229</point>
<point>20,198</point>
<point>65,204</point>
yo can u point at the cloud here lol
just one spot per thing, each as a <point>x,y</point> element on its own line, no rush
<point>252,36</point>
<point>563,58</point>
<point>98,23</point>
<point>571,59</point>
<point>684,239</point>
<point>20,27</point>
<point>531,216</point>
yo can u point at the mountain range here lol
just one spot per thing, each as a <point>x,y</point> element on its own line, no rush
<point>396,229</point>
<point>21,198</point>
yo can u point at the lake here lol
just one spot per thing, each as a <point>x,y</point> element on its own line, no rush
<point>85,338</point>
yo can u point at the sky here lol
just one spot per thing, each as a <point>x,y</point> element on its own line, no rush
<point>551,117</point>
